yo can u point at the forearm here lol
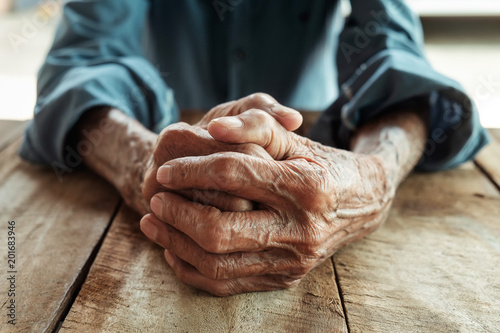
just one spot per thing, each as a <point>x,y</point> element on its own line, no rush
<point>396,139</point>
<point>119,150</point>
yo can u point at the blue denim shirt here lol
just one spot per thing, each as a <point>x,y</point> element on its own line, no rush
<point>149,58</point>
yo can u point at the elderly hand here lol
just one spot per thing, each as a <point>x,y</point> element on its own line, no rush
<point>128,155</point>
<point>310,200</point>
<point>287,117</point>
<point>180,140</point>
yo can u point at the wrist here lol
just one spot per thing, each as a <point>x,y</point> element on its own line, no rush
<point>395,141</point>
<point>122,152</point>
<point>137,159</point>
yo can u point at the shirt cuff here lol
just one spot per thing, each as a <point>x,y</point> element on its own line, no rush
<point>390,78</point>
<point>131,85</point>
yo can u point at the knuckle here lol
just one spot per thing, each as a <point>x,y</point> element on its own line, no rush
<point>225,171</point>
<point>212,266</point>
<point>171,240</point>
<point>317,177</point>
<point>177,273</point>
<point>262,117</point>
<point>316,193</point>
<point>149,184</point>
<point>221,290</point>
<point>183,276</point>
<point>212,240</point>
<point>304,267</point>
<point>173,130</point>
<point>260,98</point>
<point>312,247</point>
<point>209,267</point>
<point>170,141</point>
<point>289,282</point>
<point>246,148</point>
<point>263,101</point>
<point>204,196</point>
<point>252,150</point>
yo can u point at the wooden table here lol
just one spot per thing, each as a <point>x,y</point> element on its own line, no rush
<point>84,266</point>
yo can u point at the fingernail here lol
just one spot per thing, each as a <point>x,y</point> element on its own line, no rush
<point>149,229</point>
<point>229,122</point>
<point>164,174</point>
<point>169,257</point>
<point>157,205</point>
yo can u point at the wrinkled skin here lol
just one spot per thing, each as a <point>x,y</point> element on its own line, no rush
<point>251,206</point>
<point>310,200</point>
<point>128,155</point>
<point>181,139</point>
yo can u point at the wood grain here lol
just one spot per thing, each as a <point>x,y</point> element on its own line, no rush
<point>435,264</point>
<point>488,159</point>
<point>58,225</point>
<point>130,288</point>
<point>10,130</point>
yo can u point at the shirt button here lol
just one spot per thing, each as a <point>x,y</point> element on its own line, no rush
<point>239,54</point>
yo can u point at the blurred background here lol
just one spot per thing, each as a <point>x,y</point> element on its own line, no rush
<point>462,41</point>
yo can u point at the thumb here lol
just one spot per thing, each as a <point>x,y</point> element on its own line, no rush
<point>289,118</point>
<point>254,126</point>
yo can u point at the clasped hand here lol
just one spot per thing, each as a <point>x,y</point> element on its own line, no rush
<point>240,203</point>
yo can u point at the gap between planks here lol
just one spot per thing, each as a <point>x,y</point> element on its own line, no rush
<point>131,288</point>
<point>431,266</point>
<point>58,226</point>
<point>341,294</point>
<point>80,280</point>
<point>488,160</point>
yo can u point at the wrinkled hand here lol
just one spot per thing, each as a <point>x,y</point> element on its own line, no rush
<point>311,200</point>
<point>287,117</point>
<point>181,139</point>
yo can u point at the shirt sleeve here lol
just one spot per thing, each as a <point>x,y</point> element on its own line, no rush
<point>96,60</point>
<point>381,64</point>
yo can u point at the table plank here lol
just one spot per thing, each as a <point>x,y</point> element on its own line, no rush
<point>10,130</point>
<point>58,225</point>
<point>435,264</point>
<point>488,159</point>
<point>130,288</point>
